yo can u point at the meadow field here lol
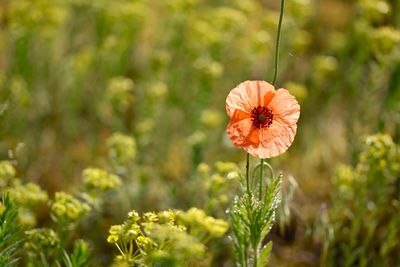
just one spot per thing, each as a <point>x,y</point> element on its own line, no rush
<point>113,133</point>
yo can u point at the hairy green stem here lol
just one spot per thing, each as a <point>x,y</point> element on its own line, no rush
<point>245,258</point>
<point>272,175</point>
<point>255,260</point>
<point>278,37</point>
<point>247,173</point>
<point>261,180</point>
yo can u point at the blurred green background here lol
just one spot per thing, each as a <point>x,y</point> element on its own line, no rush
<point>75,72</point>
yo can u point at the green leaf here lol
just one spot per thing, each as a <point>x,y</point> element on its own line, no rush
<point>80,255</point>
<point>265,254</point>
<point>10,232</point>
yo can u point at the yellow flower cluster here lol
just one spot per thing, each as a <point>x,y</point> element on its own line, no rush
<point>66,209</point>
<point>166,236</point>
<point>43,15</point>
<point>119,93</point>
<point>374,10</point>
<point>7,172</point>
<point>201,225</point>
<point>380,157</point>
<point>382,153</point>
<point>99,179</point>
<point>360,192</point>
<point>121,148</point>
<point>27,195</point>
<point>384,40</point>
<point>41,240</point>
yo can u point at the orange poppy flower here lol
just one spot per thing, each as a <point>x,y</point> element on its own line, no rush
<point>263,120</point>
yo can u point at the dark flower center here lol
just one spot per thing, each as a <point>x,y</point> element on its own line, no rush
<point>261,117</point>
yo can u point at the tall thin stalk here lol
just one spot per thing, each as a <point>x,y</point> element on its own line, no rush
<point>247,173</point>
<point>261,180</point>
<point>278,37</point>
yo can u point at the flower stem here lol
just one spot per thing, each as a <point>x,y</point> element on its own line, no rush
<point>261,179</point>
<point>255,261</point>
<point>278,37</point>
<point>247,173</point>
<point>245,264</point>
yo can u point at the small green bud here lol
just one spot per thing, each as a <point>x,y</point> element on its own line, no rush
<point>133,216</point>
<point>145,243</point>
<point>112,239</point>
<point>166,216</point>
<point>132,233</point>
<point>150,217</point>
<point>115,229</point>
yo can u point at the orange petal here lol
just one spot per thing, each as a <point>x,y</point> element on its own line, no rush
<point>247,95</point>
<point>253,150</point>
<point>242,133</point>
<point>284,106</point>
<point>276,139</point>
<point>239,131</point>
<point>239,115</point>
<point>254,137</point>
<point>268,97</point>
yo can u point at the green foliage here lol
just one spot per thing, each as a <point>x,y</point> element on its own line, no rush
<point>10,232</point>
<point>79,256</point>
<point>363,232</point>
<point>44,248</point>
<point>252,216</point>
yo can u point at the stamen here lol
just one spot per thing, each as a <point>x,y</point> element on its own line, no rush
<point>261,117</point>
